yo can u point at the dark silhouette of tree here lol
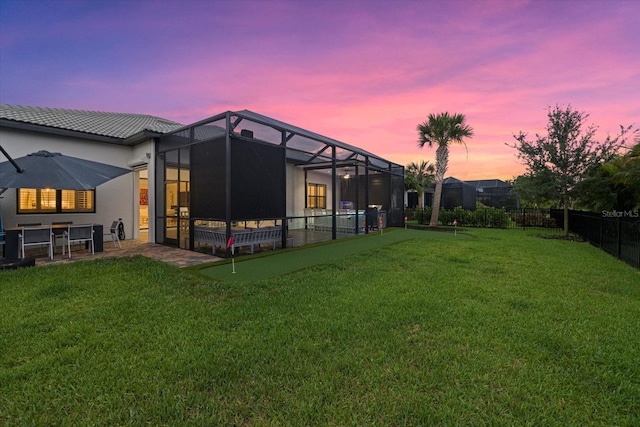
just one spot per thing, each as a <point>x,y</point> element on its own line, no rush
<point>441,130</point>
<point>557,162</point>
<point>419,176</point>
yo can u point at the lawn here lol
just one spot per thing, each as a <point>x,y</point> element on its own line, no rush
<point>499,328</point>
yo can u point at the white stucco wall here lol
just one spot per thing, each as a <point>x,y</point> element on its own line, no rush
<point>296,189</point>
<point>117,198</point>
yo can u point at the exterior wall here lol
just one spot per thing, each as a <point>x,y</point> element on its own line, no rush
<point>114,199</point>
<point>322,177</point>
<point>295,191</point>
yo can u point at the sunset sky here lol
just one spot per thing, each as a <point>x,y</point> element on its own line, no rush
<point>363,72</point>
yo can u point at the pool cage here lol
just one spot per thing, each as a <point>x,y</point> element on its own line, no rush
<point>245,171</point>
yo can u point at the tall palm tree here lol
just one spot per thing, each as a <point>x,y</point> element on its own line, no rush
<point>422,175</point>
<point>441,130</point>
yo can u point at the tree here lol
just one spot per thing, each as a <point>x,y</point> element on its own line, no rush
<point>614,185</point>
<point>419,176</point>
<point>566,155</point>
<point>441,130</point>
<point>534,190</point>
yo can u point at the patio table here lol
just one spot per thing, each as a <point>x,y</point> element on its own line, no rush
<point>12,244</point>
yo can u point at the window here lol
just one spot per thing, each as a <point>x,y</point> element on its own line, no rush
<point>45,200</point>
<point>317,196</point>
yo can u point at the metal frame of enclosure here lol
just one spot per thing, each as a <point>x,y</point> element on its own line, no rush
<point>231,169</point>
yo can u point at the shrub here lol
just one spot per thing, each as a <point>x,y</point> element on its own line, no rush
<point>533,219</point>
<point>483,217</point>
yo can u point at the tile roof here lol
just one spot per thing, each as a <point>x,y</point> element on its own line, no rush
<point>114,125</point>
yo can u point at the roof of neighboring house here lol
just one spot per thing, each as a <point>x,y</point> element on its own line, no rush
<point>110,125</point>
<point>488,183</point>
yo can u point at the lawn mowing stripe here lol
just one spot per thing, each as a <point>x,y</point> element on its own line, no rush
<point>263,267</point>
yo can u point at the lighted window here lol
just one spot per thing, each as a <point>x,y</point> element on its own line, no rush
<point>36,200</point>
<point>317,196</point>
<point>77,201</point>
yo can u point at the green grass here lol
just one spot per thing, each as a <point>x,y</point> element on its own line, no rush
<point>498,329</point>
<point>270,264</point>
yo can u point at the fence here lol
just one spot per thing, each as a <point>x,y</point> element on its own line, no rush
<point>488,217</point>
<point>615,232</point>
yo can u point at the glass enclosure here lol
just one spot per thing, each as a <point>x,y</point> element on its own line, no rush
<point>238,170</point>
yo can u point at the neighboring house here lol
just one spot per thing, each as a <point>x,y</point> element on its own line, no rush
<point>236,166</point>
<point>495,193</point>
<point>457,193</point>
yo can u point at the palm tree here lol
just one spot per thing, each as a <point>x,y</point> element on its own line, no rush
<point>420,175</point>
<point>441,130</point>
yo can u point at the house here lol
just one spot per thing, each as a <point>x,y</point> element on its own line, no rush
<point>235,169</point>
<point>456,193</point>
<point>495,193</point>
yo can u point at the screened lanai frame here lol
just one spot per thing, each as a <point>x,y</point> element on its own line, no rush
<point>300,148</point>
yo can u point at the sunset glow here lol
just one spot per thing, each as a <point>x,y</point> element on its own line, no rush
<point>363,72</point>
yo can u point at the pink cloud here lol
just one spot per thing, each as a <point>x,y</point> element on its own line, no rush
<point>365,73</point>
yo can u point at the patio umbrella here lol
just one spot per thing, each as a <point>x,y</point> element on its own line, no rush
<point>56,171</point>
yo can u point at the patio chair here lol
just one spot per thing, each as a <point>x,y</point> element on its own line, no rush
<point>113,230</point>
<point>36,236</point>
<point>78,234</point>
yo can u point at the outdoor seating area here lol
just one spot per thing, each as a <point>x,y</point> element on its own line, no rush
<point>36,236</point>
<point>78,234</point>
<point>250,237</point>
<point>31,241</point>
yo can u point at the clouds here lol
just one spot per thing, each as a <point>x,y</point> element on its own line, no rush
<point>365,72</point>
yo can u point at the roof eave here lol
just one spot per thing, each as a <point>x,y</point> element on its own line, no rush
<point>11,124</point>
<point>141,136</point>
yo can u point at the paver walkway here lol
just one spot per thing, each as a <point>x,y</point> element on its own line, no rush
<point>175,256</point>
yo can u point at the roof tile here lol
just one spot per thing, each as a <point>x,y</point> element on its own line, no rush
<point>115,125</point>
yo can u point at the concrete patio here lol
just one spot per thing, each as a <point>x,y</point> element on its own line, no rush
<point>175,256</point>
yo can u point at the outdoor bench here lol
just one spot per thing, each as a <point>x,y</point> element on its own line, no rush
<point>248,237</point>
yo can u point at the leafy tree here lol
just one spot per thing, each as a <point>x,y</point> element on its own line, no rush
<point>441,130</point>
<point>565,156</point>
<point>615,185</point>
<point>534,190</point>
<point>419,176</point>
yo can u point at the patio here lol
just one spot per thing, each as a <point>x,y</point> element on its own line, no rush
<point>175,256</point>
<point>168,254</point>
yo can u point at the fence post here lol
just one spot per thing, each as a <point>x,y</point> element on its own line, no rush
<point>601,223</point>
<point>619,245</point>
